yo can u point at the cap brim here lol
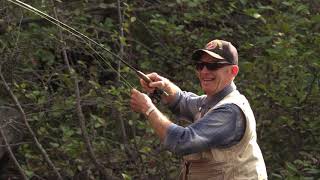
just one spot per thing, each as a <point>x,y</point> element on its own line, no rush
<point>198,53</point>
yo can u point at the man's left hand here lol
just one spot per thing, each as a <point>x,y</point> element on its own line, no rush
<point>140,102</point>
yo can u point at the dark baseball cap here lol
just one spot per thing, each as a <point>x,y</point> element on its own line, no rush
<point>219,49</point>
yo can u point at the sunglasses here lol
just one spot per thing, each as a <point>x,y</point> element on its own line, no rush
<point>211,66</point>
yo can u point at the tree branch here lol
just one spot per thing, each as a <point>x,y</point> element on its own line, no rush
<point>121,54</point>
<point>105,8</point>
<point>13,158</point>
<point>16,144</point>
<point>81,118</point>
<point>24,118</point>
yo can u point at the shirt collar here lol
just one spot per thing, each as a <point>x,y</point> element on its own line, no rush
<point>211,101</point>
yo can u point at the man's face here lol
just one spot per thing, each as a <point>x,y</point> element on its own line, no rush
<point>213,81</point>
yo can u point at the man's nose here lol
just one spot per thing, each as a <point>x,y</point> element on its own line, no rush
<point>205,70</point>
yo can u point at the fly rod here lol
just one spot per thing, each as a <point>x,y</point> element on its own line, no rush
<point>156,94</point>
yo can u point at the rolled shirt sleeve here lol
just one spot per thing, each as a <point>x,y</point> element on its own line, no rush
<point>222,127</point>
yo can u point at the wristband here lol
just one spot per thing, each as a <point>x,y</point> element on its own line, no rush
<point>151,108</point>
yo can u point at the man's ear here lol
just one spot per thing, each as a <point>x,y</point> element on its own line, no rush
<point>235,70</point>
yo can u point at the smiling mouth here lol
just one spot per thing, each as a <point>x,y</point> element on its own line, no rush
<point>208,79</point>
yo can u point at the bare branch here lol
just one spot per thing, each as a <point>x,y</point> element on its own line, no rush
<point>13,158</point>
<point>121,54</point>
<point>24,118</point>
<point>16,144</point>
<point>81,118</point>
<point>107,7</point>
<point>121,36</point>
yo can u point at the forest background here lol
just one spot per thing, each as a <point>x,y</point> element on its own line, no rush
<point>79,123</point>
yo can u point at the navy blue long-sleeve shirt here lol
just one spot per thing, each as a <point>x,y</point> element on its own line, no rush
<point>220,128</point>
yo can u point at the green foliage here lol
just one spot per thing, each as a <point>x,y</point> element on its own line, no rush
<point>278,44</point>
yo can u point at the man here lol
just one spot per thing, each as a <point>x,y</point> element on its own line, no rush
<point>221,141</point>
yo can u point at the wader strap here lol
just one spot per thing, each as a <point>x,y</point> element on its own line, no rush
<point>185,170</point>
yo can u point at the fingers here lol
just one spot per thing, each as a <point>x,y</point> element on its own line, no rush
<point>139,101</point>
<point>157,84</point>
<point>154,78</point>
<point>146,87</point>
<point>134,91</point>
<point>135,94</point>
<point>133,101</point>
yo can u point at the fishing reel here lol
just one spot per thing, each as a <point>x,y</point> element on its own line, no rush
<point>156,95</point>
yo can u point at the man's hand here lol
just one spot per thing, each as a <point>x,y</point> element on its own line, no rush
<point>161,83</point>
<point>140,102</point>
<point>157,82</point>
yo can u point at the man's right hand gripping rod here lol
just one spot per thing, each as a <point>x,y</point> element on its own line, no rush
<point>156,95</point>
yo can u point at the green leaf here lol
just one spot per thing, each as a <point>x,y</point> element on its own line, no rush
<point>126,176</point>
<point>55,145</point>
<point>291,167</point>
<point>133,19</point>
<point>123,40</point>
<point>145,150</point>
<point>243,2</point>
<point>277,176</point>
<point>256,15</point>
<point>98,121</point>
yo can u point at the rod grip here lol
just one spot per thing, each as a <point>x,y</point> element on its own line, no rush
<point>148,80</point>
<point>144,77</point>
